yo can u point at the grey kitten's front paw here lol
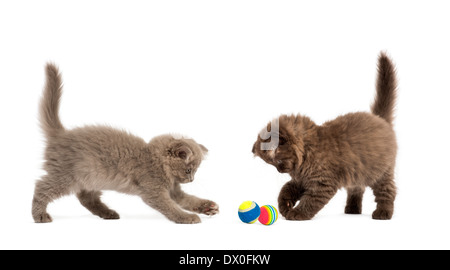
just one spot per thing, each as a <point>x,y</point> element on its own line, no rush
<point>42,218</point>
<point>109,214</point>
<point>188,219</point>
<point>207,207</point>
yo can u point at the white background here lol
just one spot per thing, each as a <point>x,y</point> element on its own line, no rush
<point>218,71</point>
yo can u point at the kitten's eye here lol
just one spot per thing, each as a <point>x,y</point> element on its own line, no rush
<point>188,171</point>
<point>282,141</point>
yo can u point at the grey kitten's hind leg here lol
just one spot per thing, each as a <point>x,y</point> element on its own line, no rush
<point>91,200</point>
<point>47,190</point>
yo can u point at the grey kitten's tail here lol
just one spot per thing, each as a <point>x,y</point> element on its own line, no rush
<point>49,106</point>
<point>386,87</point>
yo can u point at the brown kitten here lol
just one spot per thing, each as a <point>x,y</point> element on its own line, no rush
<point>86,160</point>
<point>352,151</point>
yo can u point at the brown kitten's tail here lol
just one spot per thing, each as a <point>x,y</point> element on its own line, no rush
<point>49,106</point>
<point>386,87</point>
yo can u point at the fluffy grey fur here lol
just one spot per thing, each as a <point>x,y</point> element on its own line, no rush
<point>84,161</point>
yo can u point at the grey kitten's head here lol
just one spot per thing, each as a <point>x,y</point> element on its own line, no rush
<point>181,157</point>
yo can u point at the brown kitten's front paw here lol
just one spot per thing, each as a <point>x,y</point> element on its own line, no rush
<point>207,207</point>
<point>43,218</point>
<point>296,214</point>
<point>188,219</point>
<point>285,205</point>
<point>382,214</point>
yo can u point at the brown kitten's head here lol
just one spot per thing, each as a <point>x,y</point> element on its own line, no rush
<point>181,157</point>
<point>283,146</point>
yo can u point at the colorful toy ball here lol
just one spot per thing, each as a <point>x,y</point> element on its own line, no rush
<point>249,212</point>
<point>268,215</point>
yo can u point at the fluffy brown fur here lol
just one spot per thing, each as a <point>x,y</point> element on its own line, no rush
<point>352,151</point>
<point>86,160</point>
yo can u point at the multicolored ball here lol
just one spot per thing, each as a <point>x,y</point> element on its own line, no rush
<point>268,215</point>
<point>249,212</point>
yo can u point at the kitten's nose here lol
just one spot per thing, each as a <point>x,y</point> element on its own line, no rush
<point>280,167</point>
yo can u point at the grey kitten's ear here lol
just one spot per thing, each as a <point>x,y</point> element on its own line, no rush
<point>204,149</point>
<point>181,151</point>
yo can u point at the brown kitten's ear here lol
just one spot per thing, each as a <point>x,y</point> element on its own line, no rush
<point>283,139</point>
<point>254,148</point>
<point>287,136</point>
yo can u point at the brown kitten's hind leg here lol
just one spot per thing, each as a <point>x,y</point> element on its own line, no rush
<point>354,200</point>
<point>91,200</point>
<point>385,192</point>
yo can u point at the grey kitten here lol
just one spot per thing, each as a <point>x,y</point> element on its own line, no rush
<point>87,160</point>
